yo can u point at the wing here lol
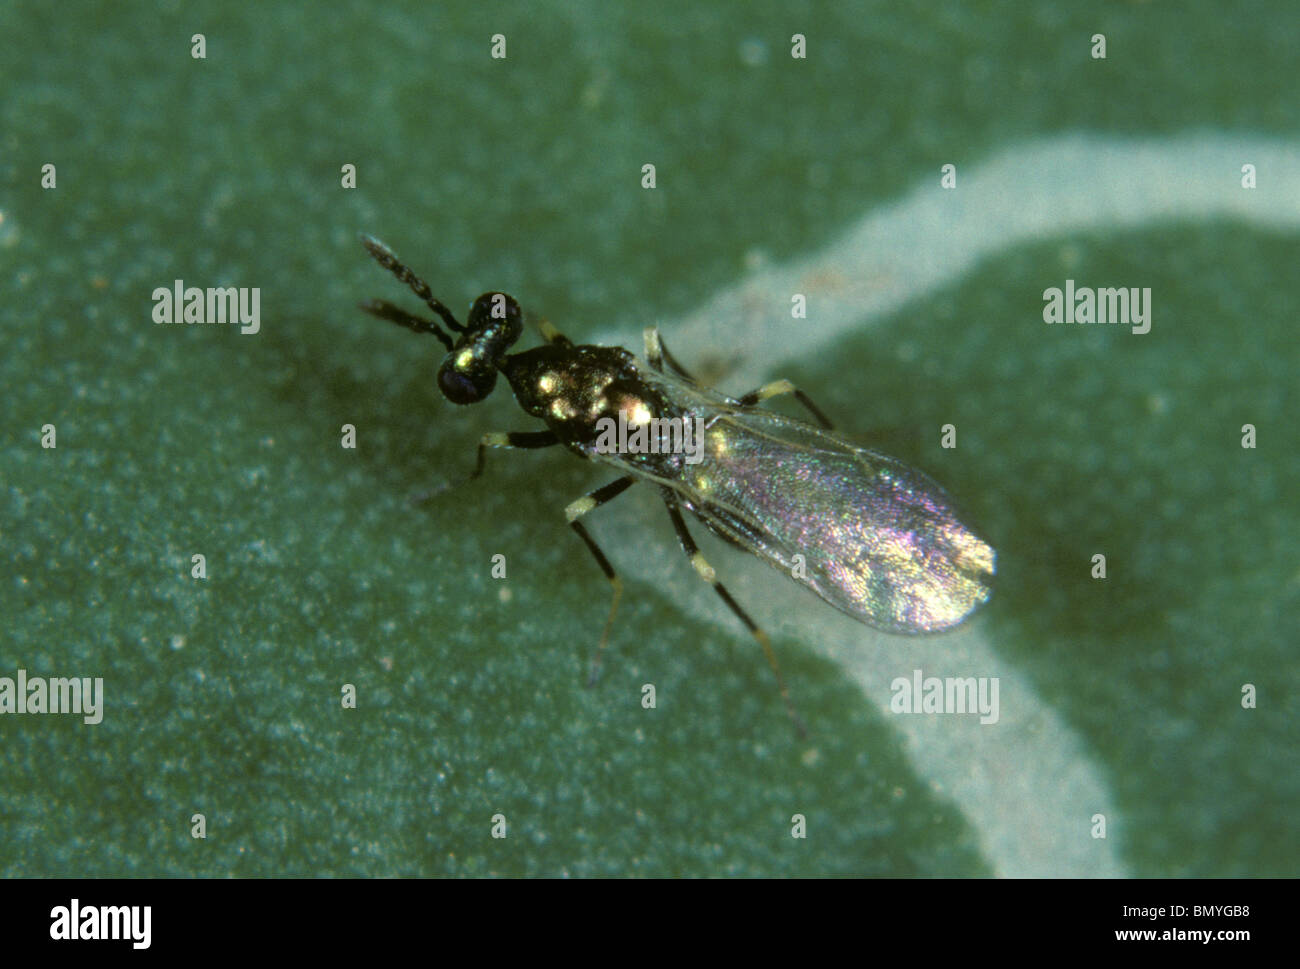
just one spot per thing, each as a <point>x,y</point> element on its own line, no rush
<point>879,540</point>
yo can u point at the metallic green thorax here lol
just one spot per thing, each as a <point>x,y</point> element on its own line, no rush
<point>572,388</point>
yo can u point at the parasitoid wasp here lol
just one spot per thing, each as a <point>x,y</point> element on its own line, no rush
<point>875,538</point>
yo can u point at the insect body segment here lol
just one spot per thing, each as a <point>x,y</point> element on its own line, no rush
<point>872,536</point>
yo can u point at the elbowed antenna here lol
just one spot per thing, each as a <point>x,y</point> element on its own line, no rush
<point>395,314</point>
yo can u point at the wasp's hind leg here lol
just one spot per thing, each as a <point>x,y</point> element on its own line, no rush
<point>573,512</point>
<point>706,572</point>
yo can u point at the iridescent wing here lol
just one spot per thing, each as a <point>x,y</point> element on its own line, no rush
<point>879,540</point>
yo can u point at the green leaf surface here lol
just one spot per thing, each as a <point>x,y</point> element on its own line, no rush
<point>222,695</point>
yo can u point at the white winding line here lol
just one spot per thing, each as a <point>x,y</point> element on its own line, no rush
<point>1028,785</point>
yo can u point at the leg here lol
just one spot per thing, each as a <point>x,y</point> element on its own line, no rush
<point>656,352</point>
<point>386,258</point>
<point>778,387</point>
<point>522,440</point>
<point>551,335</point>
<point>708,575</point>
<point>575,511</point>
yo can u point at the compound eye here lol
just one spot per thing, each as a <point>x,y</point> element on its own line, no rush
<point>465,386</point>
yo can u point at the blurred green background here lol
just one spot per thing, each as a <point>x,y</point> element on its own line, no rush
<point>523,175</point>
